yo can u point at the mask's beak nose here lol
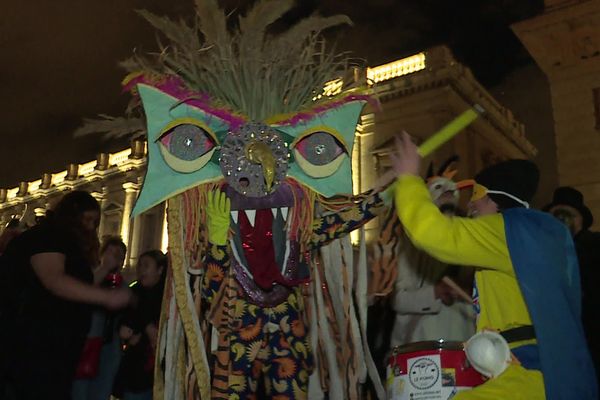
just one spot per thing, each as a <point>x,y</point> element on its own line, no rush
<point>260,153</point>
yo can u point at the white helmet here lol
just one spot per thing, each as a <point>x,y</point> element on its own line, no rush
<point>488,353</point>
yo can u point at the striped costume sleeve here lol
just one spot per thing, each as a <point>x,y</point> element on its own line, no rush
<point>336,225</point>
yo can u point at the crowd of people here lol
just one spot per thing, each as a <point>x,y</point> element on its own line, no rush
<point>73,328</point>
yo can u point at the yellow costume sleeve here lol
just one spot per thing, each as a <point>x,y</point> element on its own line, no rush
<point>477,242</point>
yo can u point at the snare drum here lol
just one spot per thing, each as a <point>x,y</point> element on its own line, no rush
<point>433,370</point>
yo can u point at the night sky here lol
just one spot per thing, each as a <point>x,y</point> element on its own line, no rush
<point>59,59</point>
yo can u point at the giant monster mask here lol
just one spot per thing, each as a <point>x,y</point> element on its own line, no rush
<point>231,107</point>
<point>190,143</point>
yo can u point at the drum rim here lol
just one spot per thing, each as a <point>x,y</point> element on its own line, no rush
<point>428,345</point>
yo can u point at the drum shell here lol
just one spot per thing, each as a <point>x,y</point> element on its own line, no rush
<point>448,371</point>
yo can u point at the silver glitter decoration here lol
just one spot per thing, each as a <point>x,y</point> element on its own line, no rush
<point>188,142</point>
<point>243,175</point>
<point>321,148</point>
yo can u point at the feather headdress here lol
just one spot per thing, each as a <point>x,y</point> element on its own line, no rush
<point>244,69</point>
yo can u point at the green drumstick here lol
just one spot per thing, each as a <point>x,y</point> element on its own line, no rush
<point>437,140</point>
<point>450,130</point>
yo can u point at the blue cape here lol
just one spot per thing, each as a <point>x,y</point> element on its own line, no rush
<point>545,262</point>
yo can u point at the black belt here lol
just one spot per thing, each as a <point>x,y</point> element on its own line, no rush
<point>518,334</point>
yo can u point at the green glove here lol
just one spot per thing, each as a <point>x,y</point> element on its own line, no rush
<point>217,210</point>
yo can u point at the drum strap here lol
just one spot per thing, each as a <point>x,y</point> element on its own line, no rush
<point>518,334</point>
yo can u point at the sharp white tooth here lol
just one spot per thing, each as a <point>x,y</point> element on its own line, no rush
<point>284,212</point>
<point>234,215</point>
<point>251,214</point>
<point>274,211</point>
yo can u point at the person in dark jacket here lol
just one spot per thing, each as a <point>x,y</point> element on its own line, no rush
<point>569,207</point>
<point>46,297</point>
<point>139,329</point>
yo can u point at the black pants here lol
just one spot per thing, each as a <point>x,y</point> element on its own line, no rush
<point>40,366</point>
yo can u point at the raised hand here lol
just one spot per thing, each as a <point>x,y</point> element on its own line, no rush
<point>406,160</point>
<point>217,209</point>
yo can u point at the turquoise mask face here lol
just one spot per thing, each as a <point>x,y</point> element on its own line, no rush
<point>321,149</point>
<point>185,143</point>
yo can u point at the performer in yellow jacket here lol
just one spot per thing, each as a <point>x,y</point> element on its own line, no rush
<point>527,278</point>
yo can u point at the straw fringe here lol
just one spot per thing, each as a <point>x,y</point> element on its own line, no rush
<point>246,69</point>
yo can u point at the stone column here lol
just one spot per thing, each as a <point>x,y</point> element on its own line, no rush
<point>136,238</point>
<point>102,199</point>
<point>164,238</point>
<point>131,190</point>
<point>364,174</point>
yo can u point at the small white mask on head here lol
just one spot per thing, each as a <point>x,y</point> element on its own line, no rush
<point>438,187</point>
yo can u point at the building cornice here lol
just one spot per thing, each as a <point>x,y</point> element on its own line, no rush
<point>444,71</point>
<point>105,166</point>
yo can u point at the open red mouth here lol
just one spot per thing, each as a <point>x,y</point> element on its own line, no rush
<point>263,247</point>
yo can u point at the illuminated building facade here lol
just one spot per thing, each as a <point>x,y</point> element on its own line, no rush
<point>419,94</point>
<point>565,43</point>
<point>114,180</point>
<point>421,98</point>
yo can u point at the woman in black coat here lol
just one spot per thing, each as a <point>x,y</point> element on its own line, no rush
<point>47,294</point>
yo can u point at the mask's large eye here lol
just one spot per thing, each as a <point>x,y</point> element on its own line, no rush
<point>187,147</point>
<point>319,154</point>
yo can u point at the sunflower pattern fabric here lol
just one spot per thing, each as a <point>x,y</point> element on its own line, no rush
<point>270,345</point>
